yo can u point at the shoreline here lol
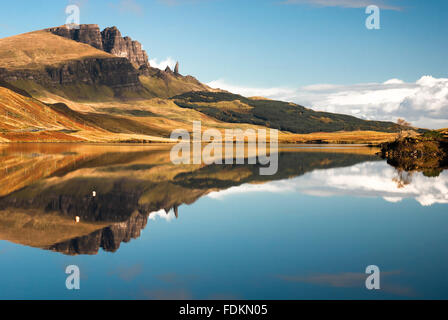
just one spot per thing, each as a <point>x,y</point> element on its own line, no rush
<point>283,144</point>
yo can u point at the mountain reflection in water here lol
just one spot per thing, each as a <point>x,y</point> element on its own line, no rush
<point>44,187</point>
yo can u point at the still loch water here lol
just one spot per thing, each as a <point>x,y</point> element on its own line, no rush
<point>154,230</point>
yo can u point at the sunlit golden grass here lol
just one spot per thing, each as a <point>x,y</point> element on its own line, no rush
<point>360,137</point>
<point>34,50</point>
<point>25,119</point>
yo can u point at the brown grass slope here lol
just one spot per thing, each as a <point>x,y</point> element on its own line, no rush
<point>35,50</point>
<point>25,119</point>
<point>22,117</point>
<point>161,84</point>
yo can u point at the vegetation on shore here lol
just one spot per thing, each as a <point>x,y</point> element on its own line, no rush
<point>427,153</point>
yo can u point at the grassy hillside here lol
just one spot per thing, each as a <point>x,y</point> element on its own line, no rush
<point>35,50</point>
<point>20,115</point>
<point>165,85</point>
<point>78,92</point>
<point>154,86</point>
<point>107,122</point>
<point>25,119</point>
<point>280,115</point>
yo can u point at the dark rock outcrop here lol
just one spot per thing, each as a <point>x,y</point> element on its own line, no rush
<point>120,75</point>
<point>176,68</point>
<point>116,73</point>
<point>109,40</point>
<point>115,44</point>
<point>426,154</point>
<point>109,239</point>
<point>87,33</point>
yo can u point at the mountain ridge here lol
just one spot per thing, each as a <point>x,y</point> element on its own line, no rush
<point>109,40</point>
<point>73,65</point>
<point>103,79</point>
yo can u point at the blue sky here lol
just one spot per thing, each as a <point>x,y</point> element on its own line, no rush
<point>247,44</point>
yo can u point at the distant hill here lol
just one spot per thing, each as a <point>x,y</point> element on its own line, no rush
<point>280,115</point>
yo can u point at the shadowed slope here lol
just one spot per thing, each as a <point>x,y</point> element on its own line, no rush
<point>24,119</point>
<point>21,116</point>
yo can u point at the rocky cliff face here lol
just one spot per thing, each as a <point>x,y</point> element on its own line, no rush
<point>109,40</point>
<point>109,239</point>
<point>116,73</point>
<point>115,44</point>
<point>84,78</point>
<point>87,33</point>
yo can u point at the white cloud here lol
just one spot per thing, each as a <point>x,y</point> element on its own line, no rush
<point>368,179</point>
<point>279,187</point>
<point>162,214</point>
<point>277,93</point>
<point>377,179</point>
<point>346,3</point>
<point>424,103</point>
<point>170,62</point>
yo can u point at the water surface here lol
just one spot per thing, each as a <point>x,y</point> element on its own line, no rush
<point>159,231</point>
